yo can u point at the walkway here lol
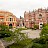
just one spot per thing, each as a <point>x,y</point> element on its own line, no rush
<point>1,44</point>
<point>32,33</point>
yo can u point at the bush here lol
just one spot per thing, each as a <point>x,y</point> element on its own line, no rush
<point>3,27</point>
<point>4,31</point>
<point>45,25</point>
<point>44,32</point>
<point>36,27</point>
<point>22,44</point>
<point>39,43</point>
<point>20,29</point>
<point>36,45</point>
<point>5,34</point>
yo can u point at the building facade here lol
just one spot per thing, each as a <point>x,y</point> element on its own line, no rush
<point>20,22</point>
<point>7,18</point>
<point>37,17</point>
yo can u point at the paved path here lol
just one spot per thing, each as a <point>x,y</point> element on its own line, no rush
<point>6,43</point>
<point>32,33</point>
<point>1,44</point>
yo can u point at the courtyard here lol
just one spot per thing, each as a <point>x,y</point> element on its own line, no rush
<point>32,33</point>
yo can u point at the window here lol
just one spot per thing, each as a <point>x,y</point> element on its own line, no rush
<point>10,19</point>
<point>40,24</point>
<point>40,16</point>
<point>14,19</point>
<point>6,19</point>
<point>32,19</point>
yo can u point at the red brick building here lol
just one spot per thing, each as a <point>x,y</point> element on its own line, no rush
<point>37,17</point>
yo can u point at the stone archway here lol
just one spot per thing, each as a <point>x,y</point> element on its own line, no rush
<point>10,26</point>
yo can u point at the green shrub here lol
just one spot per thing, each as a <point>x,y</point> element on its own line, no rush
<point>3,27</point>
<point>36,27</point>
<point>4,31</point>
<point>5,34</point>
<point>44,32</point>
<point>22,44</point>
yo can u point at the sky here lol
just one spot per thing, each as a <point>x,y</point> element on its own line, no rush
<point>18,7</point>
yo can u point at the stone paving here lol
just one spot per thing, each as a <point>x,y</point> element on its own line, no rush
<point>1,44</point>
<point>32,33</point>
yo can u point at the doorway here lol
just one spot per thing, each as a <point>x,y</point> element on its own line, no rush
<point>10,26</point>
<point>40,25</point>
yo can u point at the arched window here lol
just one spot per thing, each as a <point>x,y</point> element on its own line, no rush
<point>40,16</point>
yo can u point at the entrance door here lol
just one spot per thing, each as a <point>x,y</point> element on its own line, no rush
<point>10,26</point>
<point>40,25</point>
